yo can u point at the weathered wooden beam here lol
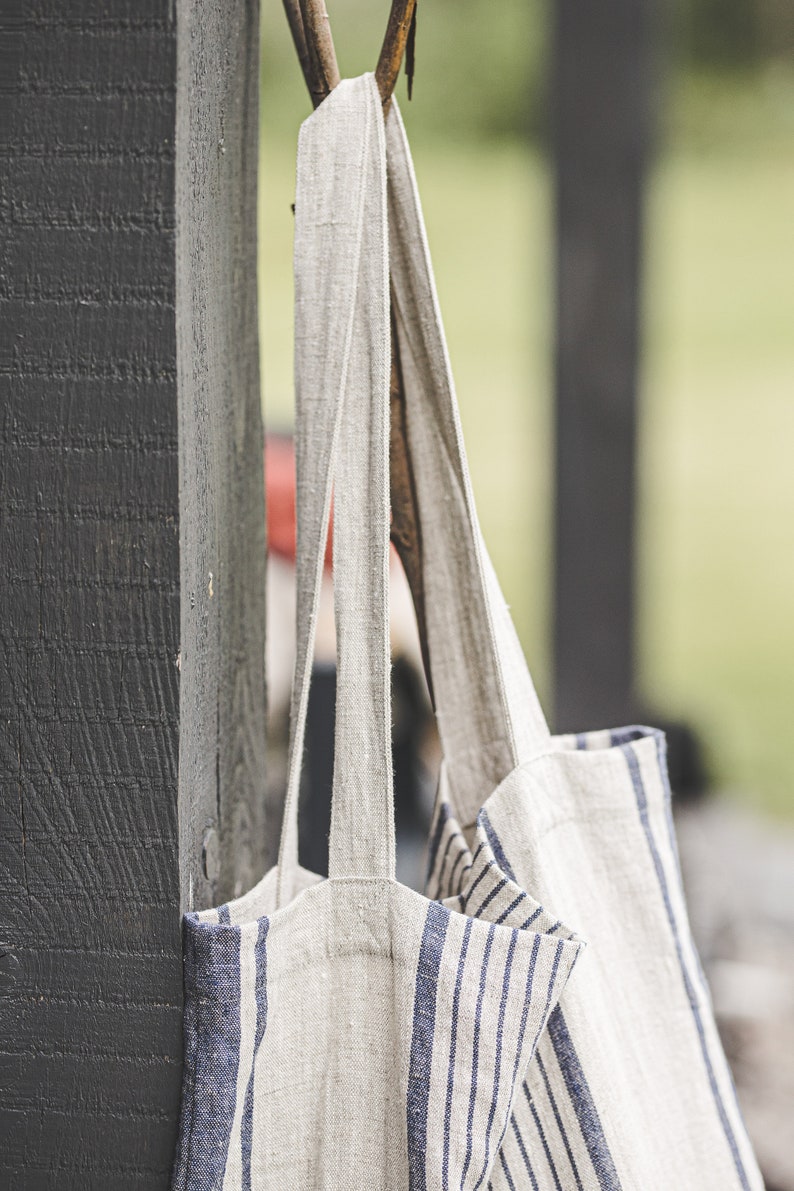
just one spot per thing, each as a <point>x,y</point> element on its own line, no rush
<point>602,89</point>
<point>222,734</point>
<point>92,813</point>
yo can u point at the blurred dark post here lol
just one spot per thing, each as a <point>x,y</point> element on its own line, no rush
<point>602,90</point>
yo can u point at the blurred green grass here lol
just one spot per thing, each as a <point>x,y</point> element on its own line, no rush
<point>716,565</point>
<point>717,514</point>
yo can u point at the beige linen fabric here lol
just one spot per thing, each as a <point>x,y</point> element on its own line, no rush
<point>351,1033</point>
<point>629,1087</point>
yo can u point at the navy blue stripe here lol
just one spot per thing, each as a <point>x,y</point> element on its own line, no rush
<point>468,868</point>
<point>661,754</point>
<point>476,1053</point>
<point>444,864</point>
<point>622,736</point>
<point>224,916</point>
<point>642,807</point>
<point>470,891</point>
<point>506,1169</point>
<point>543,1141</point>
<point>582,1101</point>
<point>217,957</point>
<point>458,859</point>
<point>424,1024</point>
<point>498,1060</point>
<point>506,913</point>
<point>190,1054</point>
<point>522,1029</point>
<point>524,1154</point>
<point>497,889</point>
<point>496,845</point>
<point>528,921</point>
<point>260,985</point>
<point>443,815</point>
<point>552,979</point>
<point>452,1045</point>
<point>576,1082</point>
<point>661,757</point>
<point>579,1090</point>
<point>558,1119</point>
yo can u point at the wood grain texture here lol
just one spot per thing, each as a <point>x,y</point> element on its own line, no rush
<point>602,104</point>
<point>90,972</point>
<point>91,871</point>
<point>220,427</point>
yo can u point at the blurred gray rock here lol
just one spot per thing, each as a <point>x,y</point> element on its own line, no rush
<point>739,875</point>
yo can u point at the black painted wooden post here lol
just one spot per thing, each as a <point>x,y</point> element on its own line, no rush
<point>602,91</point>
<point>97,832</point>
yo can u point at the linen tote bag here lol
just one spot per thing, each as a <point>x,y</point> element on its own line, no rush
<point>350,1032</point>
<point>629,1087</point>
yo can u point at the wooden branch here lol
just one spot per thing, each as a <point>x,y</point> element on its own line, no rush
<point>311,32</point>
<point>295,22</point>
<point>393,49</point>
<point>320,47</point>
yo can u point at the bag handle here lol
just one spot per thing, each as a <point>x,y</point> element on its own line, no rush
<point>527,735</point>
<point>489,715</point>
<point>342,368</point>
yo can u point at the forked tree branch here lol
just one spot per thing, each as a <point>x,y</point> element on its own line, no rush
<point>320,48</point>
<point>311,33</point>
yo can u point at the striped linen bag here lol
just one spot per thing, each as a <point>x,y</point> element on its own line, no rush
<point>350,1033</point>
<point>628,1088</point>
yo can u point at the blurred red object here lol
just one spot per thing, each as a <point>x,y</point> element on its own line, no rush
<point>280,499</point>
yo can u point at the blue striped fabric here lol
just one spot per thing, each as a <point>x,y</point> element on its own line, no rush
<point>260,995</point>
<point>212,1052</point>
<point>558,1136</point>
<point>483,964</point>
<point>686,973</point>
<point>350,1032</point>
<point>424,1024</point>
<point>499,1087</point>
<point>483,987</point>
<point>489,858</point>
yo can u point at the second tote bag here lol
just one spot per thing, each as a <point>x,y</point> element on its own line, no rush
<point>629,1088</point>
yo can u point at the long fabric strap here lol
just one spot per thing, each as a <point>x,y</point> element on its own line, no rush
<point>342,365</point>
<point>489,715</point>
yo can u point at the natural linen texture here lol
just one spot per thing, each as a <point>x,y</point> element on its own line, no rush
<point>629,1087</point>
<point>351,1033</point>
